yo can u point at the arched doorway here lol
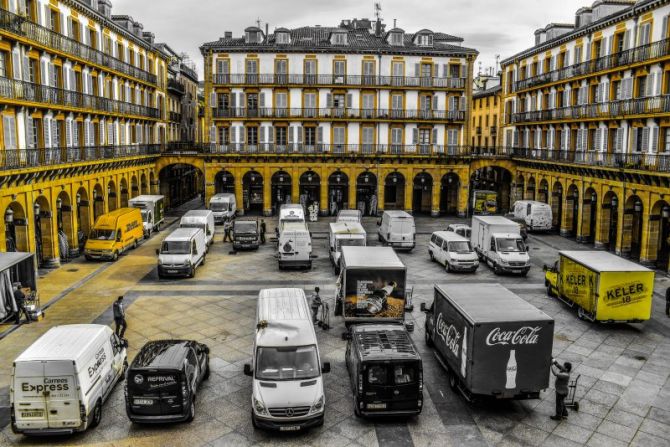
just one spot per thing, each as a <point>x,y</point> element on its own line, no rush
<point>252,192</point>
<point>310,188</point>
<point>572,211</point>
<point>557,205</point>
<point>422,197</point>
<point>111,196</point>
<point>67,240</point>
<point>144,187</point>
<point>338,192</point>
<point>16,228</point>
<point>134,187</point>
<point>589,212</point>
<point>124,193</point>
<point>519,188</point>
<point>366,193</point>
<point>530,189</point>
<point>98,202</point>
<point>450,187</point>
<point>394,191</point>
<point>44,246</point>
<point>632,228</point>
<point>281,190</point>
<point>180,183</point>
<point>498,180</point>
<point>83,216</point>
<point>224,182</point>
<point>659,223</point>
<point>609,221</point>
<point>543,191</point>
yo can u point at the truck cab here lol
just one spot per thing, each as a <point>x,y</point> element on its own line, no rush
<point>508,253</point>
<point>246,234</point>
<point>114,233</point>
<point>551,279</point>
<point>344,234</point>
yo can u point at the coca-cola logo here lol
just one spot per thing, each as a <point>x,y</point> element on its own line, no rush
<point>448,333</point>
<point>523,336</point>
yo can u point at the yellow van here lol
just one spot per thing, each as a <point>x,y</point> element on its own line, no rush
<point>114,233</point>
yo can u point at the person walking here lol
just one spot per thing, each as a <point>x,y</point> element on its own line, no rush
<point>20,299</point>
<point>316,304</point>
<point>227,230</point>
<point>119,317</point>
<point>263,228</point>
<point>667,302</point>
<point>562,374</point>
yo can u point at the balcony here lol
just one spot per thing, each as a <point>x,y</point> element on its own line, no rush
<point>334,113</point>
<point>620,109</point>
<point>23,27</point>
<point>36,93</point>
<point>624,58</point>
<point>35,158</point>
<point>176,88</point>
<point>628,161</point>
<point>175,117</point>
<point>337,80</point>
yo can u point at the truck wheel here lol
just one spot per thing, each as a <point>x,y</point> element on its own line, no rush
<point>134,244</point>
<point>206,375</point>
<point>338,308</point>
<point>432,258</point>
<point>549,291</point>
<point>429,340</point>
<point>453,380</point>
<point>581,314</point>
<point>253,420</point>
<point>191,411</point>
<point>447,267</point>
<point>357,410</point>
<point>97,415</point>
<point>191,272</point>
<point>496,269</point>
<point>204,259</point>
<point>524,273</point>
<point>115,256</point>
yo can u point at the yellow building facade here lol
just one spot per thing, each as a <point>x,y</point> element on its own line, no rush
<point>484,124</point>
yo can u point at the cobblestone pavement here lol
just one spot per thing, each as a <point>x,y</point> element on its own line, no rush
<point>624,392</point>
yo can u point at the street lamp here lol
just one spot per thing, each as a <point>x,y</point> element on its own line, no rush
<point>638,206</point>
<point>9,230</point>
<point>615,202</point>
<point>666,211</point>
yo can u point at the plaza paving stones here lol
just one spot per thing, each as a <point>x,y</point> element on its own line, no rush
<point>623,390</point>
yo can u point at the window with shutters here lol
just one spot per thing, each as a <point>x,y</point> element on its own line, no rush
<point>398,71</point>
<point>644,37</point>
<point>397,38</point>
<point>425,40</point>
<point>309,70</point>
<point>666,140</point>
<point>3,64</point>
<point>396,105</point>
<point>641,87</point>
<point>368,70</point>
<point>396,139</point>
<point>223,135</point>
<point>9,131</point>
<point>339,136</point>
<point>282,38</point>
<point>281,104</point>
<point>309,137</point>
<point>32,133</point>
<point>368,105</point>
<point>281,135</point>
<point>368,137</point>
<point>252,136</point>
<point>309,104</point>
<point>338,38</point>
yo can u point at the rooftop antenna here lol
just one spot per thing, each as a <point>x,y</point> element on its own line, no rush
<point>258,22</point>
<point>394,22</point>
<point>378,11</point>
<point>480,68</point>
<point>497,61</point>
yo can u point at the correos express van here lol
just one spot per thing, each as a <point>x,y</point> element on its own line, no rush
<point>295,245</point>
<point>182,252</point>
<point>224,206</point>
<point>290,213</point>
<point>287,387</point>
<point>59,384</point>
<point>396,229</point>
<point>537,215</point>
<point>453,251</point>
<point>114,233</point>
<point>203,219</point>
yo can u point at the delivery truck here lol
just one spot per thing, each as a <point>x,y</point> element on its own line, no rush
<point>498,243</point>
<point>151,208</point>
<point>536,215</point>
<point>491,342</point>
<point>371,286</point>
<point>484,202</point>
<point>603,287</point>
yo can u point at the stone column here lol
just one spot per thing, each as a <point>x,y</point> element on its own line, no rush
<point>381,193</point>
<point>568,213</point>
<point>50,254</point>
<point>585,219</point>
<point>323,196</point>
<point>463,199</point>
<point>603,223</point>
<point>353,180</point>
<point>267,192</point>
<point>295,185</point>
<point>435,199</point>
<point>239,191</point>
<point>625,232</point>
<point>651,226</point>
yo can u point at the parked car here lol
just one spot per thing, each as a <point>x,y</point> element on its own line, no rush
<point>164,379</point>
<point>453,251</point>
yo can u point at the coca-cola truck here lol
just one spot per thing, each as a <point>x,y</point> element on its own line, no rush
<point>490,341</point>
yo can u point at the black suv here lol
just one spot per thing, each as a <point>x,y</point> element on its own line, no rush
<point>162,381</point>
<point>385,370</point>
<point>246,234</point>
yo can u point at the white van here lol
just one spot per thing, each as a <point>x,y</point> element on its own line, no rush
<point>537,215</point>
<point>59,384</point>
<point>287,387</point>
<point>344,234</point>
<point>497,242</point>
<point>203,219</point>
<point>291,212</point>
<point>294,248</point>
<point>349,216</point>
<point>182,252</point>
<point>224,206</point>
<point>396,229</point>
<point>453,251</point>
<point>460,229</point>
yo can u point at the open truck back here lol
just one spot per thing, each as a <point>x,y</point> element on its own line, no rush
<point>492,342</point>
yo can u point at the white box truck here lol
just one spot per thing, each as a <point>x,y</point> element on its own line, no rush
<point>224,206</point>
<point>537,215</point>
<point>498,243</point>
<point>152,209</point>
<point>344,234</point>
<point>294,248</point>
<point>59,384</point>
<point>203,219</point>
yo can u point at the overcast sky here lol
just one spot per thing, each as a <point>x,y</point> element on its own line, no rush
<point>492,27</point>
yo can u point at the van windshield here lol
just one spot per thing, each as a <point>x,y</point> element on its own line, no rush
<point>360,242</point>
<point>244,227</point>
<point>145,215</point>
<point>200,226</point>
<point>295,363</point>
<point>219,206</point>
<point>176,248</point>
<point>401,374</point>
<point>514,245</point>
<point>103,235</point>
<point>460,247</point>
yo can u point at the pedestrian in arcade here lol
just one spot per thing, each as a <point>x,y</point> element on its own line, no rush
<point>20,299</point>
<point>562,374</point>
<point>119,317</point>
<point>263,228</point>
<point>316,304</point>
<point>227,231</point>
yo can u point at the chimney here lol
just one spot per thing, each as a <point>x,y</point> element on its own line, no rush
<point>149,37</point>
<point>228,35</point>
<point>267,37</point>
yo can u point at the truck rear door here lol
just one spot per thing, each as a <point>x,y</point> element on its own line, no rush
<point>391,386</point>
<point>155,392</point>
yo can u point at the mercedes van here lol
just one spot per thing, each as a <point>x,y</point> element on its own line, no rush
<point>59,384</point>
<point>114,233</point>
<point>453,251</point>
<point>396,228</point>
<point>287,387</point>
<point>182,252</point>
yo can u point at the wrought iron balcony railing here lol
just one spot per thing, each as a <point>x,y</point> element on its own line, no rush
<point>28,91</point>
<point>604,110</point>
<point>627,57</point>
<point>45,37</point>
<point>339,113</point>
<point>34,158</point>
<point>271,79</point>
<point>659,162</point>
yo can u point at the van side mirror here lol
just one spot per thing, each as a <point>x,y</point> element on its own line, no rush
<point>118,237</point>
<point>247,370</point>
<point>158,252</point>
<point>325,369</point>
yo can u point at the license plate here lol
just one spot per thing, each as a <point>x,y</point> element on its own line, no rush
<point>144,402</point>
<point>376,406</point>
<point>172,271</point>
<point>32,414</point>
<point>289,428</point>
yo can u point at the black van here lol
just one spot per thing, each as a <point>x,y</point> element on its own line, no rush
<point>385,370</point>
<point>246,234</point>
<point>163,380</point>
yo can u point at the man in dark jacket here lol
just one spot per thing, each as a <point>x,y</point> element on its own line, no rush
<point>316,304</point>
<point>20,299</point>
<point>562,374</point>
<point>263,229</point>
<point>227,231</point>
<point>119,317</point>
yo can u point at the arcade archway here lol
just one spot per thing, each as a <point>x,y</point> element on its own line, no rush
<point>180,183</point>
<point>310,188</point>
<point>366,193</point>
<point>281,190</point>
<point>497,180</point>
<point>450,187</point>
<point>589,213</point>
<point>16,228</point>
<point>422,197</point>
<point>659,223</point>
<point>224,182</point>
<point>338,192</point>
<point>394,191</point>
<point>631,245</point>
<point>557,205</point>
<point>252,193</point>
<point>609,221</point>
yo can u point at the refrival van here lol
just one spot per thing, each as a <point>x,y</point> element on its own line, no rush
<point>59,384</point>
